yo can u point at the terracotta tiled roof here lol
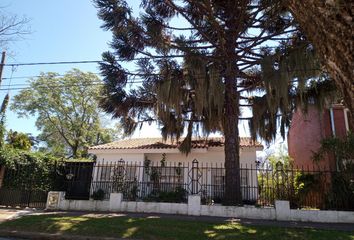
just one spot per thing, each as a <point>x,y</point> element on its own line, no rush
<point>158,143</point>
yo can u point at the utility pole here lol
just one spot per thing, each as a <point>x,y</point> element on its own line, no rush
<point>2,65</point>
<point>6,98</point>
<point>2,130</point>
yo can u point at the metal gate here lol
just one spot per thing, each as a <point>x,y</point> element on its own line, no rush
<point>78,180</point>
<point>27,186</point>
<point>12,197</point>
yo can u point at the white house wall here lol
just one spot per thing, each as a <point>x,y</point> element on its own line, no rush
<point>204,156</point>
<point>112,157</point>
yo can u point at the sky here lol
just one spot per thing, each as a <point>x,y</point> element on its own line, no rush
<point>64,30</point>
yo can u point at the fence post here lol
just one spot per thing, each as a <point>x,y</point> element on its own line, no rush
<point>194,200</point>
<point>54,199</point>
<point>280,181</point>
<point>195,176</point>
<point>282,210</point>
<point>119,176</point>
<point>115,201</point>
<point>194,205</point>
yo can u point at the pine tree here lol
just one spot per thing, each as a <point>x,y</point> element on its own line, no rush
<point>331,33</point>
<point>196,78</point>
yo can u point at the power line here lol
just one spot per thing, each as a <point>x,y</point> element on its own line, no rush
<point>152,74</point>
<point>29,85</point>
<point>59,81</point>
<point>123,60</point>
<point>138,77</point>
<point>52,63</point>
<point>37,76</point>
<point>85,61</point>
<point>63,75</point>
<point>59,85</point>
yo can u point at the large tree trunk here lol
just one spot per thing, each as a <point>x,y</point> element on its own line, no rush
<point>230,123</point>
<point>329,27</point>
<point>232,147</point>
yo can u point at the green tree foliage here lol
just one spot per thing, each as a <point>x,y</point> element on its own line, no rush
<point>19,140</point>
<point>279,179</point>
<point>342,184</point>
<point>331,34</point>
<point>198,77</point>
<point>27,169</point>
<point>279,156</point>
<point>67,111</point>
<point>30,170</point>
<point>4,105</point>
<point>342,148</point>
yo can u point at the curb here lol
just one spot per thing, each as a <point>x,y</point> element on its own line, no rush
<point>51,236</point>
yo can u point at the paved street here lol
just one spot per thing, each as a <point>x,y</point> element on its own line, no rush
<point>10,238</point>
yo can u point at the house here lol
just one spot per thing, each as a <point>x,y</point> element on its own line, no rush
<point>307,131</point>
<point>138,161</point>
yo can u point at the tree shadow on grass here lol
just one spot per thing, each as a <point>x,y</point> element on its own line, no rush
<point>161,228</point>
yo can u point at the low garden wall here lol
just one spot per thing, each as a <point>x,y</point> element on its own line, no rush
<point>281,212</point>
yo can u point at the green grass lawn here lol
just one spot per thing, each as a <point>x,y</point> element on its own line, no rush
<point>161,228</point>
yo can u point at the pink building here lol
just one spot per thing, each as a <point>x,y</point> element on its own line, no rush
<point>307,131</point>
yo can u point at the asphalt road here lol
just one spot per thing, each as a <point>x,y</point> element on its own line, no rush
<point>11,238</point>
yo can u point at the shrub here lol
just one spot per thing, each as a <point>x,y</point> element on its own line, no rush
<point>341,194</point>
<point>32,170</point>
<point>98,195</point>
<point>178,195</point>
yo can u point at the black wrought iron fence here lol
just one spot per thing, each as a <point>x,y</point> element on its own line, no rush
<point>173,182</point>
<point>307,188</point>
<point>26,185</point>
<point>166,182</point>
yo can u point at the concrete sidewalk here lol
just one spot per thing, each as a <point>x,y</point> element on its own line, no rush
<point>8,213</point>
